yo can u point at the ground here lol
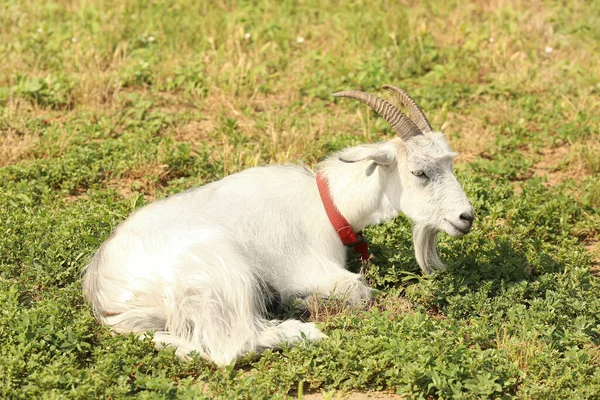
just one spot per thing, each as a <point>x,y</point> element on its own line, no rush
<point>106,106</point>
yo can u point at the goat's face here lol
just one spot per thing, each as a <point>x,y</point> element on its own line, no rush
<point>417,179</point>
<point>426,190</point>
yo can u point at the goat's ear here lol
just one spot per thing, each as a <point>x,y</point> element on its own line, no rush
<point>380,155</point>
<point>371,169</point>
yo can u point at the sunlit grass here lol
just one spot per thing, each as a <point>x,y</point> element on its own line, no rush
<point>107,105</point>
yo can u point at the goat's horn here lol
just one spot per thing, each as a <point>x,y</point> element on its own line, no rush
<point>415,112</point>
<point>396,118</point>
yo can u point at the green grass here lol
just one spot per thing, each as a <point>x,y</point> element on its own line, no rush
<point>106,106</point>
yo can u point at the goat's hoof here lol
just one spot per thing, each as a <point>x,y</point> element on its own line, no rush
<point>360,294</point>
<point>294,330</point>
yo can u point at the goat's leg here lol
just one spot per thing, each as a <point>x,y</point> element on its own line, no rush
<point>289,331</point>
<point>328,278</point>
<point>218,309</point>
<point>223,331</point>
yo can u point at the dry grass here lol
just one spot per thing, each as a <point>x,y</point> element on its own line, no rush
<point>520,347</point>
<point>469,135</point>
<point>585,157</point>
<point>594,352</point>
<point>195,132</point>
<point>352,395</point>
<point>321,309</point>
<point>144,178</point>
<point>15,146</point>
<point>233,71</point>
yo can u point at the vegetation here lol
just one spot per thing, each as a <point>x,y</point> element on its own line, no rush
<point>108,105</point>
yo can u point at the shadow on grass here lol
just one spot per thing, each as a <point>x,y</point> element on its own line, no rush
<point>489,265</point>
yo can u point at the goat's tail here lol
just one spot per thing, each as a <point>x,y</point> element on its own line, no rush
<point>213,304</point>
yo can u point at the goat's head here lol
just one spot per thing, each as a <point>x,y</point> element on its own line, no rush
<point>418,176</point>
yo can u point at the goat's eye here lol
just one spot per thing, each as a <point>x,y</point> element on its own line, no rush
<point>420,174</point>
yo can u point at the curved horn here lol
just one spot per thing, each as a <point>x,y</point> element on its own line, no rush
<point>415,112</point>
<point>396,118</point>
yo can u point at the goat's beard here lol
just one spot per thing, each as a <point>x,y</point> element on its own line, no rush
<point>425,243</point>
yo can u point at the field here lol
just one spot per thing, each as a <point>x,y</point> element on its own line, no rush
<point>108,105</point>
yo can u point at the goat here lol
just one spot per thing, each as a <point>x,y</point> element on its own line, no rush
<point>200,268</point>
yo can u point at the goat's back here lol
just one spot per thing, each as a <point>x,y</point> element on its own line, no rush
<point>267,215</point>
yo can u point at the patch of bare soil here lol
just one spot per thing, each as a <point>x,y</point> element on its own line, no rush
<point>14,146</point>
<point>553,165</point>
<point>473,139</point>
<point>18,141</point>
<point>194,132</point>
<point>593,246</point>
<point>77,196</point>
<point>128,187</point>
<point>146,179</point>
<point>124,187</point>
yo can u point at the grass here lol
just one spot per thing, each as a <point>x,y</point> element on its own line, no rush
<point>106,105</point>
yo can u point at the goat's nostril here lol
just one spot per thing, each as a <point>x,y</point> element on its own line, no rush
<point>467,217</point>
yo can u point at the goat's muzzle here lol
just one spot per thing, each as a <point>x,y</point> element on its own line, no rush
<point>463,224</point>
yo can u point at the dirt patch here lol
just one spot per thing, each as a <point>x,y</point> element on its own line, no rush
<point>129,187</point>
<point>14,146</point>
<point>554,165</point>
<point>593,246</point>
<point>468,135</point>
<point>194,132</point>
<point>203,387</point>
<point>593,351</point>
<point>80,195</point>
<point>124,187</point>
<point>146,179</point>
<point>436,313</point>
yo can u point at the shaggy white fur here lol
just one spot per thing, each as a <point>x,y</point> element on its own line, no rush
<point>199,268</point>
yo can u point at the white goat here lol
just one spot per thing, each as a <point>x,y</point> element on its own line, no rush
<point>201,267</point>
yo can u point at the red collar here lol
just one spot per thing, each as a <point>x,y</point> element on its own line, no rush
<point>340,224</point>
